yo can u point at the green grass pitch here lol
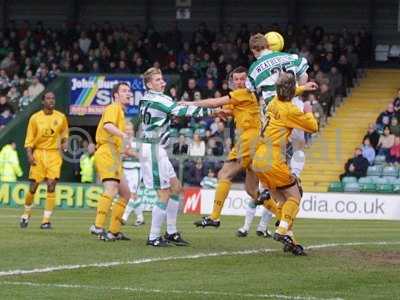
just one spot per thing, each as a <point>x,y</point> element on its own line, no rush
<point>341,271</point>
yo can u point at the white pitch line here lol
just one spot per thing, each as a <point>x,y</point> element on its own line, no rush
<point>158,291</point>
<point>169,258</point>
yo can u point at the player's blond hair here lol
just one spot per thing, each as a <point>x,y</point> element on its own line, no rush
<point>286,86</point>
<point>258,42</point>
<point>149,73</point>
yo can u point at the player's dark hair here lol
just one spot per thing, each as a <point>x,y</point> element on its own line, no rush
<point>45,93</point>
<point>239,69</point>
<point>286,86</point>
<point>116,87</point>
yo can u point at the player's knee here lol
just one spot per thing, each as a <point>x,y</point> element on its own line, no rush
<point>33,187</point>
<point>51,186</point>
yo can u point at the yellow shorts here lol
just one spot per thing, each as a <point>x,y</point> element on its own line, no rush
<point>108,163</point>
<point>48,165</point>
<point>245,147</point>
<point>270,166</point>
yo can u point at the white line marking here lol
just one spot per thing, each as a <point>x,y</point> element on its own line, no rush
<point>157,291</point>
<point>169,258</point>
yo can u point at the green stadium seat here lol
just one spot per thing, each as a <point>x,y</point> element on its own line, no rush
<point>374,170</point>
<point>173,132</point>
<point>335,187</point>
<point>187,132</point>
<point>368,179</point>
<point>368,187</point>
<point>392,180</point>
<point>201,132</point>
<point>396,188</point>
<point>351,187</point>
<point>381,180</point>
<point>384,188</point>
<point>349,179</point>
<point>390,171</point>
<point>380,160</point>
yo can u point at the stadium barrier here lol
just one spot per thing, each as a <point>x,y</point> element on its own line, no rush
<point>68,195</point>
<point>314,205</point>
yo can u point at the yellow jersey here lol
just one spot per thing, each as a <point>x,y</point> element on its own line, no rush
<point>283,116</point>
<point>245,109</point>
<point>46,131</point>
<point>114,113</point>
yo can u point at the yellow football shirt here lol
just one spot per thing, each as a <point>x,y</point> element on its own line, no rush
<point>245,109</point>
<point>46,131</point>
<point>114,114</point>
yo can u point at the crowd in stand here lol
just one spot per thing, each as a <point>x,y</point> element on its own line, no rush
<point>31,56</point>
<point>382,139</point>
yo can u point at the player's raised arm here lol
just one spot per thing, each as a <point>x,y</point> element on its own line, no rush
<point>110,121</point>
<point>305,121</point>
<point>210,102</point>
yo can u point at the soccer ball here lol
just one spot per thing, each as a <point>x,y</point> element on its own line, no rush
<point>275,41</point>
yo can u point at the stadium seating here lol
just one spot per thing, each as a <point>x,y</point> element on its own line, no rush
<point>335,187</point>
<point>351,187</point>
<point>374,171</point>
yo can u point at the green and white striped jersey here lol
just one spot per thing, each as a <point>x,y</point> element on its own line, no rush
<point>156,110</point>
<point>129,162</point>
<point>264,72</point>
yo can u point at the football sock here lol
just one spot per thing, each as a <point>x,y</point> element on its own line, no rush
<point>49,206</point>
<point>297,162</point>
<point>103,208</point>
<point>172,212</point>
<point>289,211</point>
<point>266,216</point>
<point>221,193</point>
<point>116,216</point>
<point>272,206</point>
<point>128,210</point>
<point>28,205</point>
<point>250,213</point>
<point>157,219</point>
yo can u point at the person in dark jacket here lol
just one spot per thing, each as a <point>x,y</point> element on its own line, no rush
<point>180,147</point>
<point>356,166</point>
<point>372,135</point>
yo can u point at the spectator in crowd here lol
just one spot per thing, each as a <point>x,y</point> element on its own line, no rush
<point>180,147</point>
<point>5,117</point>
<point>385,117</point>
<point>394,126</point>
<point>209,181</point>
<point>215,147</point>
<point>4,81</point>
<point>386,141</point>
<point>25,100</point>
<point>368,151</point>
<point>4,105</point>
<point>227,146</point>
<point>394,154</point>
<point>317,109</point>
<point>356,166</point>
<point>87,165</point>
<point>10,168</point>
<point>372,135</point>
<point>210,89</point>
<point>396,103</point>
<point>197,147</point>
<point>336,80</point>
<point>325,99</point>
<point>214,125</point>
<point>191,90</point>
<point>196,173</point>
<point>35,88</point>
<point>220,132</point>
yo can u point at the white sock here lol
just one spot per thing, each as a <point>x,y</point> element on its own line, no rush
<point>250,213</point>
<point>157,219</point>
<point>266,216</point>
<point>47,213</point>
<point>297,162</point>
<point>172,213</point>
<point>128,209</point>
<point>139,209</point>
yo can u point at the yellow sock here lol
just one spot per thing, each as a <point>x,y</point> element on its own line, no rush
<point>289,211</point>
<point>49,206</point>
<point>221,193</point>
<point>116,216</point>
<point>102,210</point>
<point>272,206</point>
<point>28,205</point>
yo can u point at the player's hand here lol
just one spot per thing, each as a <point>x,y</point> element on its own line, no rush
<point>31,160</point>
<point>184,103</point>
<point>222,113</point>
<point>310,86</point>
<point>307,107</point>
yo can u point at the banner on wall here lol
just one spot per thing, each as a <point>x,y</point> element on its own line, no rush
<point>313,205</point>
<point>89,95</point>
<point>68,195</point>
